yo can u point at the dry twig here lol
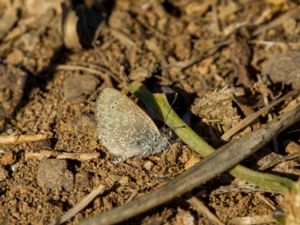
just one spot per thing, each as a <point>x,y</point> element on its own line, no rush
<point>82,204</point>
<point>278,21</point>
<point>91,70</point>
<point>8,19</point>
<point>249,119</point>
<point>248,220</point>
<point>62,155</point>
<point>186,64</point>
<point>202,209</point>
<point>19,139</point>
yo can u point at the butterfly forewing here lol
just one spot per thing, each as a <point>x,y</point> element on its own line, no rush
<point>124,128</point>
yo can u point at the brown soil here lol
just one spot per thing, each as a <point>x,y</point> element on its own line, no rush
<point>218,57</point>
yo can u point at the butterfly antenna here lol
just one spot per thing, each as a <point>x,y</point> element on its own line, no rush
<point>170,108</point>
<point>173,102</point>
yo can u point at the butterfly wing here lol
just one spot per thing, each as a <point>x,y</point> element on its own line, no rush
<point>125,129</point>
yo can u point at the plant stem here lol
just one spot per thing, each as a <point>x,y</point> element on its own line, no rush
<point>161,106</point>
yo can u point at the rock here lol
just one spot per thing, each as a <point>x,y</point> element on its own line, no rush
<point>148,165</point>
<point>7,158</point>
<point>284,68</point>
<point>3,173</point>
<point>54,175</point>
<point>12,84</point>
<point>77,87</point>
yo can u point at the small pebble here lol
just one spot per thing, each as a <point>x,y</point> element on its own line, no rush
<point>148,165</point>
<point>292,148</point>
<point>185,217</point>
<point>3,173</point>
<point>54,175</point>
<point>76,87</point>
<point>193,160</point>
<point>124,180</point>
<point>114,177</point>
<point>7,158</point>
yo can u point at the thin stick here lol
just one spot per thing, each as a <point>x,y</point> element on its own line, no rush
<point>294,13</point>
<point>216,17</point>
<point>248,220</point>
<point>249,119</point>
<point>83,156</point>
<point>19,139</point>
<point>202,209</point>
<point>123,38</point>
<point>89,70</point>
<point>82,204</point>
<point>186,64</point>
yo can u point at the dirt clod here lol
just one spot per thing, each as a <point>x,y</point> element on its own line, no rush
<point>54,175</point>
<point>217,109</point>
<point>284,68</point>
<point>12,83</point>
<point>3,173</point>
<point>7,158</point>
<point>77,87</point>
<point>148,165</point>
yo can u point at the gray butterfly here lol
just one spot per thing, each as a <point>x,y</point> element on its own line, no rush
<point>124,128</point>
